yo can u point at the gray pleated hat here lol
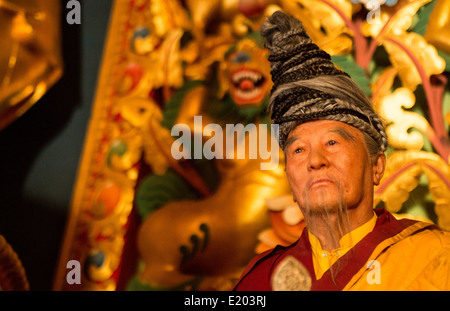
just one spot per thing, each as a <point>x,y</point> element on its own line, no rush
<point>295,59</point>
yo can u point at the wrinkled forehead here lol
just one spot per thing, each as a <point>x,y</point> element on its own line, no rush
<point>313,130</point>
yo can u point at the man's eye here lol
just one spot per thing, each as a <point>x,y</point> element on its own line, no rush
<point>298,150</point>
<point>332,142</point>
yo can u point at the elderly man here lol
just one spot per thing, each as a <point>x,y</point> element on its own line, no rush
<point>334,145</point>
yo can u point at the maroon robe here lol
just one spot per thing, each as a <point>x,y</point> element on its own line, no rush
<point>258,273</point>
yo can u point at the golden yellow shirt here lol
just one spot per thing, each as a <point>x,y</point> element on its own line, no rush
<point>412,260</point>
<point>323,260</point>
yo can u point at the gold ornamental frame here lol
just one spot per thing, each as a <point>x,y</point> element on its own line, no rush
<point>92,167</point>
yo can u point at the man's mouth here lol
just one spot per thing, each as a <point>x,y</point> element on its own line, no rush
<point>320,182</point>
<point>248,86</point>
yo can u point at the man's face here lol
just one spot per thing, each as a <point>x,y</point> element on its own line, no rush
<point>326,162</point>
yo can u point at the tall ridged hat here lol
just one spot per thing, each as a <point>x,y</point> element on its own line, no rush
<point>307,85</point>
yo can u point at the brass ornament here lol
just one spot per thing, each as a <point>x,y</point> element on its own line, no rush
<point>30,58</point>
<point>291,275</point>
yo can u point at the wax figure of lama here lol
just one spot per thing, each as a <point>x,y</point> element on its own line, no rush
<point>334,144</point>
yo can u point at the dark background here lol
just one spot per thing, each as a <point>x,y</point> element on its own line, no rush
<point>40,151</point>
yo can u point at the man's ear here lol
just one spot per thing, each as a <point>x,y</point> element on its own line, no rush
<point>378,168</point>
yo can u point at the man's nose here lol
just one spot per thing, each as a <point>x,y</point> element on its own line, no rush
<point>317,159</point>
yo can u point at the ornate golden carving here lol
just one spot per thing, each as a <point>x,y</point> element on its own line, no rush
<point>438,30</point>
